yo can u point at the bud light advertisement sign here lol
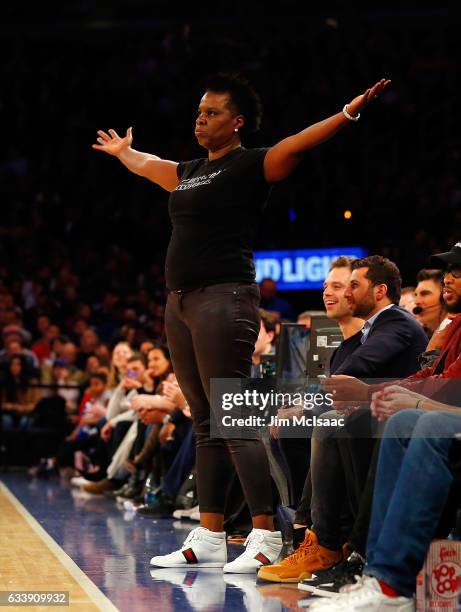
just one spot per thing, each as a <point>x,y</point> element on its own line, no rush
<point>300,269</point>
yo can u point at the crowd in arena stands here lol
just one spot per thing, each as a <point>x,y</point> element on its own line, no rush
<point>87,387</point>
<point>122,426</point>
<point>98,237</point>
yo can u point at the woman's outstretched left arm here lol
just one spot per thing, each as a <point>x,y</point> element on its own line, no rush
<point>282,158</point>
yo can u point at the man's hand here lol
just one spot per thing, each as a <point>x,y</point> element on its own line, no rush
<point>112,143</point>
<point>285,413</point>
<point>346,389</point>
<point>392,399</point>
<point>360,102</point>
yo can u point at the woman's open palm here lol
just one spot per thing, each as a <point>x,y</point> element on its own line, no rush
<point>360,102</point>
<point>112,143</point>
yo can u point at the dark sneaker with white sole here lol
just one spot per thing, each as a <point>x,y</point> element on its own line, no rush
<point>327,582</point>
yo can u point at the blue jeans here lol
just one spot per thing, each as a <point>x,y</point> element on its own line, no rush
<point>412,486</point>
<point>181,466</point>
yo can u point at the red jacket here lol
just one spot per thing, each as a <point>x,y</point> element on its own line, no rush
<point>450,351</point>
<point>437,386</point>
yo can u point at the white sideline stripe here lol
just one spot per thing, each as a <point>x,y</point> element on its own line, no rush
<point>96,596</point>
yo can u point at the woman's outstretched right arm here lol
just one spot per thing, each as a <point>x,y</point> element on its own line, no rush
<point>157,170</point>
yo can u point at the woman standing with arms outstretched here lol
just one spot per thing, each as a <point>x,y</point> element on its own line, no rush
<point>212,319</point>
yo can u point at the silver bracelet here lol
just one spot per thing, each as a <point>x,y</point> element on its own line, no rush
<point>349,116</point>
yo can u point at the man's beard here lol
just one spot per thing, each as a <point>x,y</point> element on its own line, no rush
<point>454,308</point>
<point>363,308</point>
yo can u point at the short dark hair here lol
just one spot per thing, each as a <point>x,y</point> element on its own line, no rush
<point>381,270</point>
<point>242,96</point>
<point>102,376</point>
<point>137,357</point>
<point>269,320</point>
<point>343,261</point>
<point>430,274</point>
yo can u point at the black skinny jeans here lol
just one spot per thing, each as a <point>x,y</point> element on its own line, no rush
<point>340,498</point>
<point>211,333</point>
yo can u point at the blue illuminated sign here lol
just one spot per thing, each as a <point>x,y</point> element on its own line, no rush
<point>303,269</point>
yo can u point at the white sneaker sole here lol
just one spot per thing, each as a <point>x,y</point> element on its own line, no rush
<point>187,566</point>
<point>316,590</point>
<point>306,587</point>
<point>241,570</point>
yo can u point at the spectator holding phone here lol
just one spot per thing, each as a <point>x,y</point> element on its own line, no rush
<point>119,410</point>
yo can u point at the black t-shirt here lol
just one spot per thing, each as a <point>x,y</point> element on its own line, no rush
<point>214,212</point>
<point>346,348</point>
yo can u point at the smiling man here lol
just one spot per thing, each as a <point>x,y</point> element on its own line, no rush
<point>336,305</point>
<point>414,475</point>
<point>338,309</point>
<point>388,345</point>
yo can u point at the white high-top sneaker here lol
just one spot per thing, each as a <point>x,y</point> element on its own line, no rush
<point>201,548</point>
<point>262,547</point>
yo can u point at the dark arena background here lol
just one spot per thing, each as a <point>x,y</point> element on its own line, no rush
<point>82,254</point>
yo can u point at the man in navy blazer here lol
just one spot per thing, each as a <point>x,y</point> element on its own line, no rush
<point>392,339</point>
<point>388,346</point>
